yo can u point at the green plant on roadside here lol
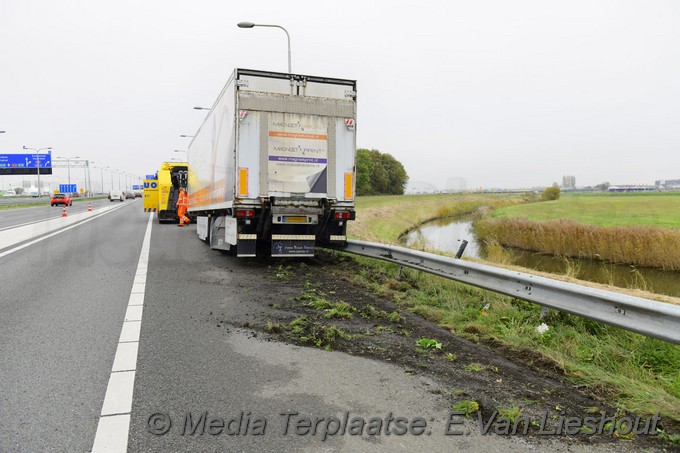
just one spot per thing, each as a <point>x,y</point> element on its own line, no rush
<point>319,335</point>
<point>511,413</point>
<point>274,327</point>
<point>339,310</point>
<point>299,325</point>
<point>283,272</point>
<point>429,343</point>
<point>395,317</point>
<point>451,357</point>
<point>474,367</point>
<point>468,406</point>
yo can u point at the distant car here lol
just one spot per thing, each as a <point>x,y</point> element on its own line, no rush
<point>116,195</point>
<point>61,198</point>
<point>129,195</point>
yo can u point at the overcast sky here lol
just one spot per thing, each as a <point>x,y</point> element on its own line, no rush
<point>500,93</point>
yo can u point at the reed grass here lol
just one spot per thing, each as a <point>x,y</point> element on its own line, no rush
<point>636,245</point>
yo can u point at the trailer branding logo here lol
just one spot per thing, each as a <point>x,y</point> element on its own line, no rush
<point>349,122</point>
<point>298,153</point>
<point>242,114</point>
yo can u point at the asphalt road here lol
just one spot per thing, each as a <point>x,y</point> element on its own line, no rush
<point>63,304</point>
<point>23,216</point>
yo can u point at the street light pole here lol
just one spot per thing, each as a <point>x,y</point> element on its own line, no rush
<point>37,160</point>
<point>251,25</point>
<point>89,178</point>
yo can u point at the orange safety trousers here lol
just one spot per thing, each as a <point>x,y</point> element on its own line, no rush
<point>182,206</point>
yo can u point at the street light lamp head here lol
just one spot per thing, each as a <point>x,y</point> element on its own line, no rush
<point>251,25</point>
<point>201,108</point>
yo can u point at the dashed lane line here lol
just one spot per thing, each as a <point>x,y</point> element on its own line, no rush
<point>114,422</point>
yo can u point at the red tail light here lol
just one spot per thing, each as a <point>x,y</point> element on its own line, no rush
<point>342,215</point>
<point>245,213</point>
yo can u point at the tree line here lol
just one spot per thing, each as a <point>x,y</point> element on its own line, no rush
<point>379,173</point>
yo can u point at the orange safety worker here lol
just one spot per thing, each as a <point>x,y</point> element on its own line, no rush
<point>182,206</point>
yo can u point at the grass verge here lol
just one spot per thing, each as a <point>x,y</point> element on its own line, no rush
<point>630,371</point>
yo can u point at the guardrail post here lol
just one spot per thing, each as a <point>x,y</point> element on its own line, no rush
<point>461,249</point>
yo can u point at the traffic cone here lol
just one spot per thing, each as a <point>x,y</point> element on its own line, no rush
<point>89,207</point>
<point>63,212</point>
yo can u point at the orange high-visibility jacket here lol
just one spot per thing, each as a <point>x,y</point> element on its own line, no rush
<point>183,199</point>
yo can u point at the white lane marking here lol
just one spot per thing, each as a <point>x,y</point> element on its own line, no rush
<point>130,331</point>
<point>126,357</point>
<point>108,433</point>
<point>28,223</point>
<point>136,299</point>
<point>114,423</point>
<point>134,313</point>
<point>42,238</point>
<point>118,399</point>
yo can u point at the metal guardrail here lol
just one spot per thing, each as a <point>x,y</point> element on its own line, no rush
<point>644,316</point>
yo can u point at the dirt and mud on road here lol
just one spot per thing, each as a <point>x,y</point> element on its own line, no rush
<point>315,303</point>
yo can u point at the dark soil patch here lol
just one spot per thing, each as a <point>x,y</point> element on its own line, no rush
<point>493,375</point>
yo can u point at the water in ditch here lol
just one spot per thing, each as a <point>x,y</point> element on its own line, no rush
<point>447,235</point>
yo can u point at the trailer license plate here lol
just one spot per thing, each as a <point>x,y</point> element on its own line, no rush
<point>294,219</point>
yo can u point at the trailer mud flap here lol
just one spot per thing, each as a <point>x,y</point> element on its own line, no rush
<point>286,245</point>
<point>247,245</point>
<point>217,234</point>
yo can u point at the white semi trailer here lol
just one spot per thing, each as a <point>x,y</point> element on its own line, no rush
<point>273,164</point>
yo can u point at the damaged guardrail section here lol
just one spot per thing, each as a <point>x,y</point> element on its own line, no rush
<point>644,316</point>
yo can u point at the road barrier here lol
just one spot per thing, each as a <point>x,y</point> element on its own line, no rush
<point>647,317</point>
<point>63,212</point>
<point>89,207</point>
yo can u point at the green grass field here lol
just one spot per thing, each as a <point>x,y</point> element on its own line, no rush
<point>615,209</point>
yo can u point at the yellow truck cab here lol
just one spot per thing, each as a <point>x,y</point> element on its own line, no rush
<point>172,177</point>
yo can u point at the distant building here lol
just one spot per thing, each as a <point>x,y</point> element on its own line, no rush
<point>667,184</point>
<point>568,182</point>
<point>631,188</point>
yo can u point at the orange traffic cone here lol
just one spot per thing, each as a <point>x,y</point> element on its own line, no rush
<point>89,207</point>
<point>63,212</point>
